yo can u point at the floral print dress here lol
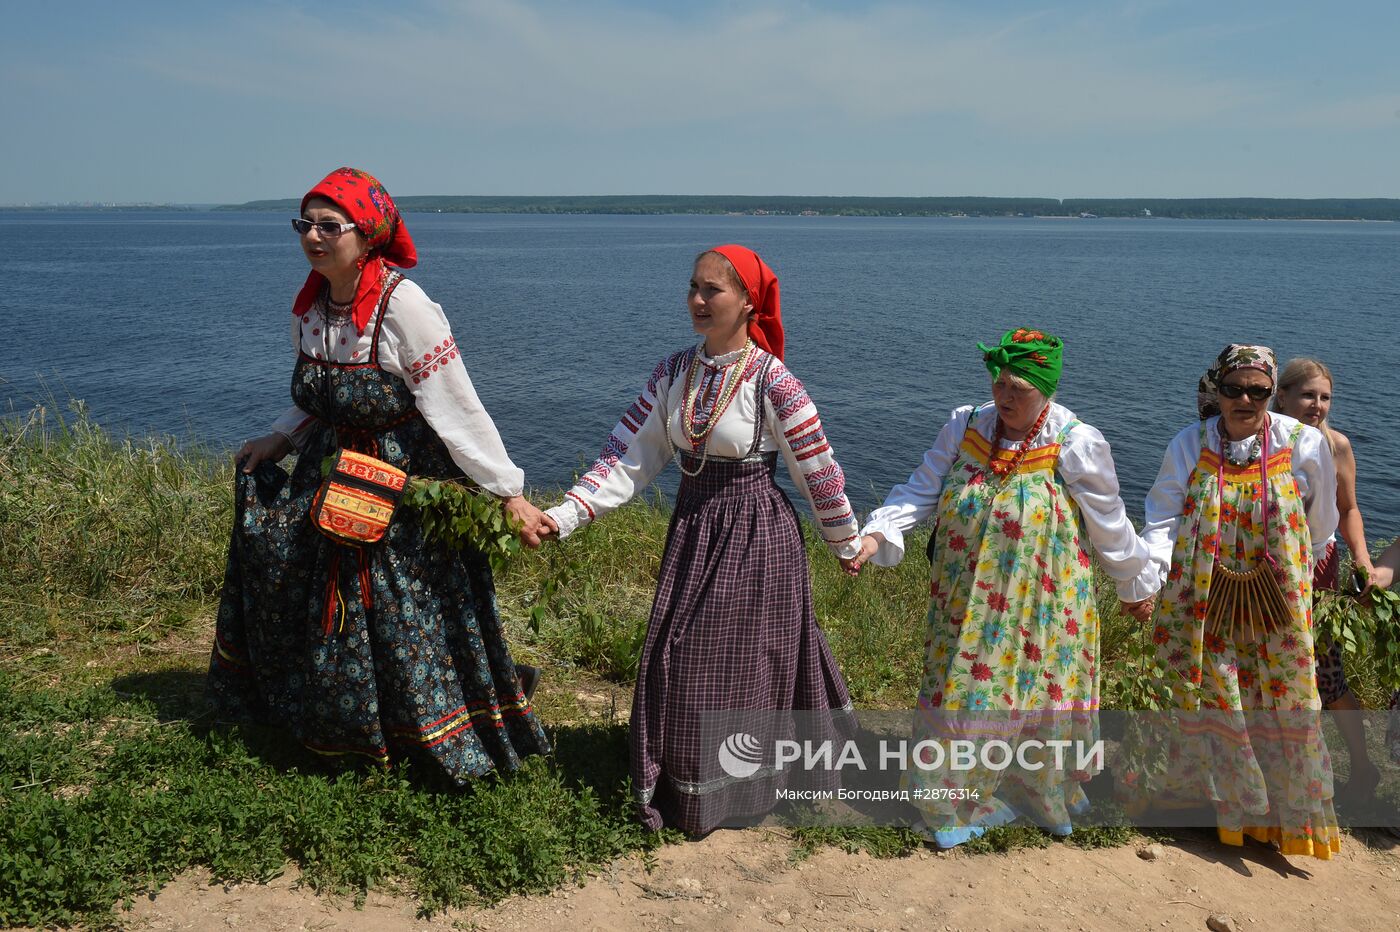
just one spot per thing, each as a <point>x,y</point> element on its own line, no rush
<point>1246,736</point>
<point>1012,646</point>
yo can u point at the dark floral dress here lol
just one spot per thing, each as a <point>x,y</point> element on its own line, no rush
<point>370,651</point>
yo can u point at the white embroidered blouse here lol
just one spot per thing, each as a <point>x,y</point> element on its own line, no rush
<point>416,345</point>
<point>1085,466</point>
<point>1312,470</point>
<point>639,447</point>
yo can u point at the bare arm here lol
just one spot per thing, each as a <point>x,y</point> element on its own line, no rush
<point>1387,565</point>
<point>1350,526</point>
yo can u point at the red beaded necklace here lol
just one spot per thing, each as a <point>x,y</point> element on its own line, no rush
<point>1003,468</point>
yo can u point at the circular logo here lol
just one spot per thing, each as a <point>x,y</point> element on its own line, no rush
<point>740,755</point>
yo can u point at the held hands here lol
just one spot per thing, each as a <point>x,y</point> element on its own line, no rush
<point>271,447</point>
<point>869,544</point>
<point>535,525</point>
<point>1142,611</point>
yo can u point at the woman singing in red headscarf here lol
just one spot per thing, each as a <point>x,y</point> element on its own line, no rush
<point>732,627</point>
<point>361,651</point>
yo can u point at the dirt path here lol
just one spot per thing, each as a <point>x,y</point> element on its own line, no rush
<point>744,880</point>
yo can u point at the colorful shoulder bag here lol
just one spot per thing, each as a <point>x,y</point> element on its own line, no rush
<point>358,497</point>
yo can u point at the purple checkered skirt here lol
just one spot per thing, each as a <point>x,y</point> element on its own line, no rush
<point>732,628</point>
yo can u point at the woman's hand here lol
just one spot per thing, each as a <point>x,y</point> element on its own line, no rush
<point>535,525</point>
<point>869,544</point>
<point>1142,611</point>
<point>1384,568</point>
<point>271,447</point>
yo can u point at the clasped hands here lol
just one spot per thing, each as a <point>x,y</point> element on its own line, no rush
<point>869,544</point>
<point>535,526</point>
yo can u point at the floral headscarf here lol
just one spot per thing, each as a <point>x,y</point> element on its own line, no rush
<point>766,327</point>
<point>369,207</point>
<point>1235,356</point>
<point>1034,356</point>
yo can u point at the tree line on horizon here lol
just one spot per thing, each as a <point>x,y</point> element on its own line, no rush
<point>1211,208</point>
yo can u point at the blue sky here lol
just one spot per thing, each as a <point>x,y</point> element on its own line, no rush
<point>226,102</point>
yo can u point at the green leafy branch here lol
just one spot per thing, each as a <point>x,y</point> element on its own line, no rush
<point>1363,624</point>
<point>458,517</point>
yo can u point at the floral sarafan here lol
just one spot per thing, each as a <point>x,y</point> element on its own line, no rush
<point>1269,672</point>
<point>1005,634</point>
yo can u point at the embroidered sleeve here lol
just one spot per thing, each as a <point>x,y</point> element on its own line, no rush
<point>295,424</point>
<point>1166,500</point>
<point>793,420</point>
<point>416,344</point>
<point>635,452</point>
<point>1316,476</point>
<point>1086,465</point>
<point>915,500</point>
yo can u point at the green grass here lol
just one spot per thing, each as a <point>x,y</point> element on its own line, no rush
<point>105,537</point>
<point>111,555</point>
<point>105,801</point>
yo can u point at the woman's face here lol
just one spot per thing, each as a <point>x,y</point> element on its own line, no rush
<point>719,309</point>
<point>332,256</point>
<point>1243,416</point>
<point>1018,405</point>
<point>1308,401</point>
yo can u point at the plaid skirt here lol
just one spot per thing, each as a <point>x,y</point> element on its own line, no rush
<point>732,630</point>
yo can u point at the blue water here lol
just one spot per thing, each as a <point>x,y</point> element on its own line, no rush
<point>177,323</point>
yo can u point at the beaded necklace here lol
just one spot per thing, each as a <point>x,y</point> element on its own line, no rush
<point>1254,447</point>
<point>334,310</point>
<point>733,377</point>
<point>1003,468</point>
<point>728,389</point>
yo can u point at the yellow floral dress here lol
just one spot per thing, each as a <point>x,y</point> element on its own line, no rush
<point>1245,736</point>
<point>1012,646</point>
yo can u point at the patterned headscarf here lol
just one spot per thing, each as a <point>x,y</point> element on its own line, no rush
<point>1235,356</point>
<point>369,207</point>
<point>766,326</point>
<point>1035,356</point>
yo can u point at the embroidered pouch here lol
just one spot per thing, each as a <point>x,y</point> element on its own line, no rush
<point>357,499</point>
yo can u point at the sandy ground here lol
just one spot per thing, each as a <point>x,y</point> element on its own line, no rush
<point>746,880</point>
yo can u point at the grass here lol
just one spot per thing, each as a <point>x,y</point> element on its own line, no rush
<point>106,800</point>
<point>111,556</point>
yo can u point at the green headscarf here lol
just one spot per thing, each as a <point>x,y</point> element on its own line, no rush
<point>1035,356</point>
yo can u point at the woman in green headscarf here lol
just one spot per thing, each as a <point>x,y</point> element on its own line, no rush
<point>1013,633</point>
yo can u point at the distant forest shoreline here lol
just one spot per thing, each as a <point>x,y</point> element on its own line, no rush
<point>1202,208</point>
<point>1225,208</point>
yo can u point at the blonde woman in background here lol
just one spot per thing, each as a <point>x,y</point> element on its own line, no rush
<point>1305,393</point>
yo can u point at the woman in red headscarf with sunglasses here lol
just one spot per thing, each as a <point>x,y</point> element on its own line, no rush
<point>396,647</point>
<point>732,628</point>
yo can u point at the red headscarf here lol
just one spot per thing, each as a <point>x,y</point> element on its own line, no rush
<point>766,326</point>
<point>370,208</point>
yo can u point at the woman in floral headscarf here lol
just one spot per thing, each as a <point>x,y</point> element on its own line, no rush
<point>1012,651</point>
<point>1243,506</point>
<point>396,647</point>
<point>732,628</point>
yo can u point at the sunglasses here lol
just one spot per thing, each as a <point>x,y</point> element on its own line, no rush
<point>327,228</point>
<point>1255,392</point>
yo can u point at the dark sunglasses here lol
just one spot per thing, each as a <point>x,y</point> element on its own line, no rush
<point>1255,392</point>
<point>327,228</point>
